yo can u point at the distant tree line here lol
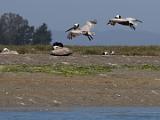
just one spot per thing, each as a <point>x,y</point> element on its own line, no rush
<point>15,30</point>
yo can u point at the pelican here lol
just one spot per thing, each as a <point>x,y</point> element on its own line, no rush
<point>7,51</point>
<point>85,30</point>
<point>60,50</point>
<point>57,45</point>
<point>131,22</point>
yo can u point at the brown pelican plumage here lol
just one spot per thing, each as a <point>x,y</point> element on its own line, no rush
<point>84,30</point>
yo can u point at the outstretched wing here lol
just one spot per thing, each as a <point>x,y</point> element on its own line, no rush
<point>89,25</point>
<point>134,21</point>
<point>138,21</point>
<point>73,34</point>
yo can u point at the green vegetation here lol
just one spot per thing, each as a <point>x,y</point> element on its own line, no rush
<point>42,35</point>
<point>119,50</point>
<point>89,50</point>
<point>70,70</point>
<point>15,30</point>
<point>145,67</point>
<point>66,70</point>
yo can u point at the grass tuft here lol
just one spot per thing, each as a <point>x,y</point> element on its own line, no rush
<point>67,70</point>
<point>70,70</point>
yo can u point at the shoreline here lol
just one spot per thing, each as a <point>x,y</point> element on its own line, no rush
<point>68,109</point>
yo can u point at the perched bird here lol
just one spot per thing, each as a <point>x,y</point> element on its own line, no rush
<point>58,49</point>
<point>7,51</point>
<point>131,22</point>
<point>112,53</point>
<point>56,45</point>
<point>105,53</point>
<point>84,30</point>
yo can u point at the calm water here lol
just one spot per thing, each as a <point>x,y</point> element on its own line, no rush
<point>112,113</point>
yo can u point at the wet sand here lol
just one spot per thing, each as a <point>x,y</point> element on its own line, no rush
<point>116,88</point>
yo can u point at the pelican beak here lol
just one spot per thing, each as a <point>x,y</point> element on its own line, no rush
<point>69,29</point>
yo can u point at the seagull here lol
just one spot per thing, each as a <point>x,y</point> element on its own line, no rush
<point>85,30</point>
<point>131,22</point>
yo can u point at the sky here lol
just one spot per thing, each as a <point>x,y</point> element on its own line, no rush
<point>62,14</point>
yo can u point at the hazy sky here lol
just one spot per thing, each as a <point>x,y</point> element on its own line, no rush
<point>60,14</point>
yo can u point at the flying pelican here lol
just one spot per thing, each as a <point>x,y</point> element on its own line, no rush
<point>85,30</point>
<point>131,22</point>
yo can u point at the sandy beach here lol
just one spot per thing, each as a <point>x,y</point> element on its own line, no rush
<point>120,87</point>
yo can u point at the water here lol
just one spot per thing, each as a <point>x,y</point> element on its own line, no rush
<point>111,113</point>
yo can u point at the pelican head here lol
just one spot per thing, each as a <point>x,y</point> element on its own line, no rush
<point>118,17</point>
<point>76,25</point>
<point>57,45</point>
<point>5,50</point>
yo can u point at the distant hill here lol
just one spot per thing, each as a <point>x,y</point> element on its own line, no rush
<point>118,37</point>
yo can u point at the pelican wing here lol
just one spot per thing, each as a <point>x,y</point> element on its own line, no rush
<point>88,26</point>
<point>122,20</point>
<point>133,19</point>
<point>73,34</point>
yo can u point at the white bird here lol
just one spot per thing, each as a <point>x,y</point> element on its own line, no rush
<point>84,30</point>
<point>7,51</point>
<point>105,53</point>
<point>112,52</point>
<point>131,22</point>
